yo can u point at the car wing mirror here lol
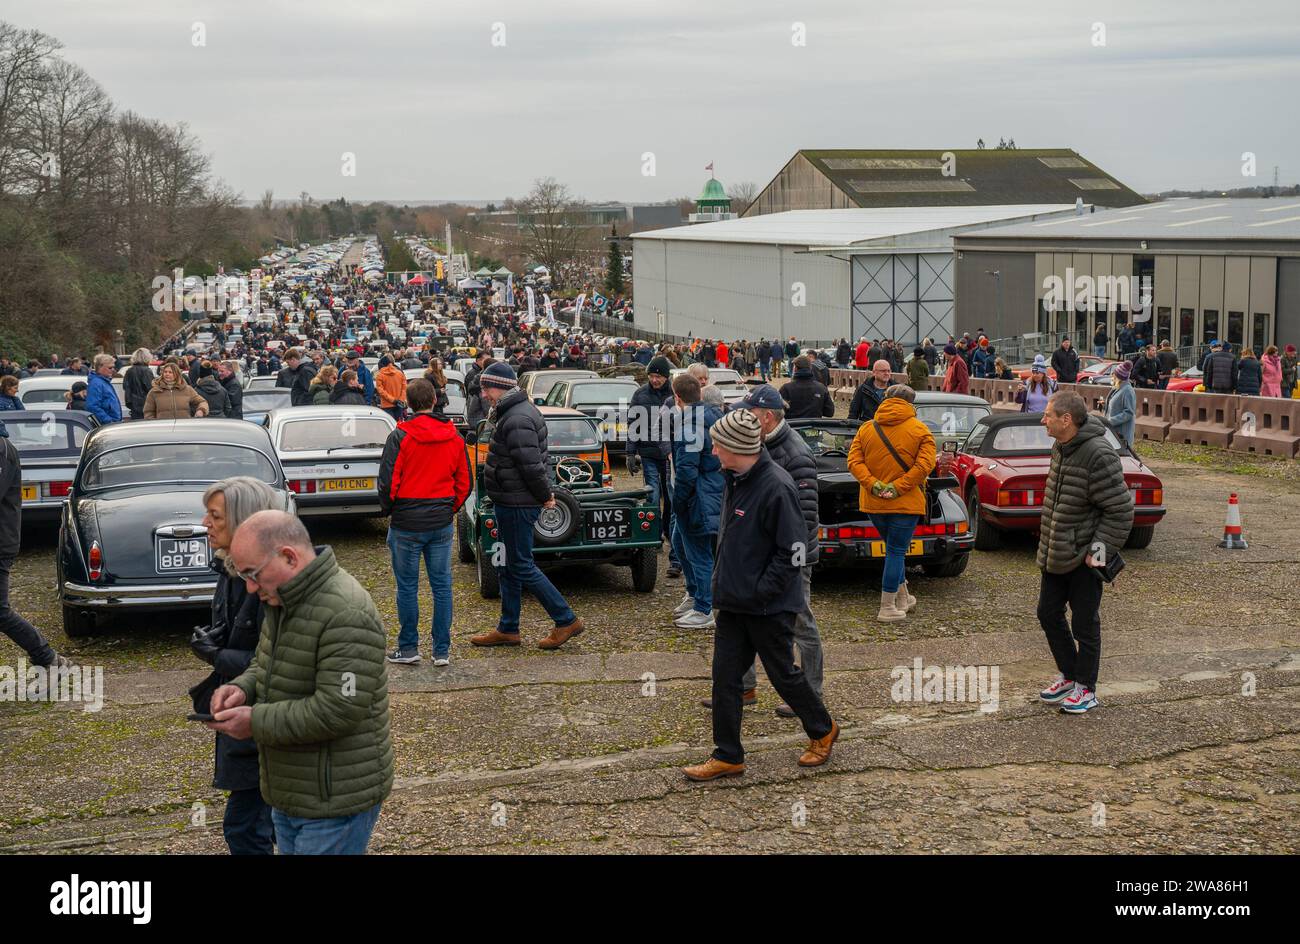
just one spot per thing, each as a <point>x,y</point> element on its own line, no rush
<point>949,446</point>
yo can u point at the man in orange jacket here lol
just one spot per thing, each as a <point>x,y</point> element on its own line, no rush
<point>390,385</point>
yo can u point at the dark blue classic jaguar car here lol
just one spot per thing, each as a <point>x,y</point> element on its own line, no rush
<point>132,537</point>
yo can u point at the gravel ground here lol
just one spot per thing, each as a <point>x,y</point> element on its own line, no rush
<point>578,750</point>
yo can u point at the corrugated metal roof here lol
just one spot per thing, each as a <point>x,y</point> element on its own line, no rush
<point>1210,218</point>
<point>827,228</point>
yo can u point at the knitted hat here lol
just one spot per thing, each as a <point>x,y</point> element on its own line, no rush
<point>659,365</point>
<point>498,374</point>
<point>984,342</point>
<point>950,350</point>
<point>739,432</point>
<point>1123,370</point>
<point>1040,364</point>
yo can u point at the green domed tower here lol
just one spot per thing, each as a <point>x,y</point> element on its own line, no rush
<point>712,204</point>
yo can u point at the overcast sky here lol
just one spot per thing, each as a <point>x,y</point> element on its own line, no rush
<point>582,88</point>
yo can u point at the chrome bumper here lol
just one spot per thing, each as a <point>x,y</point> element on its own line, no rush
<point>141,595</point>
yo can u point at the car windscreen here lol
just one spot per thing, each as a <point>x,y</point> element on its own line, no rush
<point>260,401</point>
<point>822,439</point>
<point>335,432</point>
<point>163,463</point>
<point>49,435</point>
<point>725,378</point>
<point>571,433</point>
<point>44,395</point>
<point>600,394</point>
<point>455,389</point>
<point>543,381</point>
<point>1030,439</point>
<point>947,419</point>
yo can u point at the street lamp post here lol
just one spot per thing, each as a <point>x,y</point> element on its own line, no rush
<point>997,324</point>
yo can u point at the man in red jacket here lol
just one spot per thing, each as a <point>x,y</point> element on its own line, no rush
<point>423,481</point>
<point>860,356</point>
<point>956,377</point>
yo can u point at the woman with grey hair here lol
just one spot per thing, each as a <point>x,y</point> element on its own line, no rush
<point>136,382</point>
<point>228,645</point>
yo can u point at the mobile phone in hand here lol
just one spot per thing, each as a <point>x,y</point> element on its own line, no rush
<point>199,716</point>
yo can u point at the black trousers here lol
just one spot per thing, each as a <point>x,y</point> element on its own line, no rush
<point>1076,645</point>
<point>24,634</point>
<point>738,638</point>
<point>247,824</point>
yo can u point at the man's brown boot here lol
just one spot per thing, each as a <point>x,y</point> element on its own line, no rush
<point>749,697</point>
<point>819,751</point>
<point>561,634</point>
<point>712,769</point>
<point>494,637</point>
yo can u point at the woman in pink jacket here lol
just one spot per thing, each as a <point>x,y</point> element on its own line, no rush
<point>1271,365</point>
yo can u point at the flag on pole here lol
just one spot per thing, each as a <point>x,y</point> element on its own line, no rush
<point>577,310</point>
<point>532,304</point>
<point>550,311</point>
<point>709,166</point>
<point>598,300</point>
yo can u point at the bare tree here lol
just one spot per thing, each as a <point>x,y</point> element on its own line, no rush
<point>23,74</point>
<point>551,219</point>
<point>742,195</point>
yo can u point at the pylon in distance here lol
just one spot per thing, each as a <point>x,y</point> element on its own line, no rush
<point>1232,538</point>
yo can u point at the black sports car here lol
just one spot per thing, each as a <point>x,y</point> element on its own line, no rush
<point>941,543</point>
<point>132,535</point>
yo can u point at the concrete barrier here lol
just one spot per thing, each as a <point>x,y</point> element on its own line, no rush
<point>1267,425</point>
<point>1153,410</point>
<point>1204,419</point>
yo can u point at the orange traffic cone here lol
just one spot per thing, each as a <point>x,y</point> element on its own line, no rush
<point>1232,538</point>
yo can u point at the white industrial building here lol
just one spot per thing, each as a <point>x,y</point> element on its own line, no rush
<point>882,272</point>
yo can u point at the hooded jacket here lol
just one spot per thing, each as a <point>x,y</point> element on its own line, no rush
<point>1271,372</point>
<point>697,473</point>
<point>11,499</point>
<point>806,397</point>
<point>1065,361</point>
<point>390,383</point>
<point>135,388</point>
<point>866,399</point>
<point>1221,372</point>
<point>211,390</point>
<point>234,397</point>
<point>318,687</point>
<point>172,402</point>
<point>789,450</point>
<point>343,395</point>
<point>1086,501</point>
<point>648,430</point>
<point>956,379</point>
<point>298,380</point>
<point>423,474</point>
<point>1250,377</point>
<point>102,401</point>
<point>870,460</point>
<point>516,471</point>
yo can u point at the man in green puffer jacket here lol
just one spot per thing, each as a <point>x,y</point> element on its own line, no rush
<point>316,694</point>
<point>1087,515</point>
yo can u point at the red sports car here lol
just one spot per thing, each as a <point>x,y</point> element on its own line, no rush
<point>1001,468</point>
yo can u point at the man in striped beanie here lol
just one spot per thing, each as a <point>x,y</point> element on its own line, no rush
<point>757,592</point>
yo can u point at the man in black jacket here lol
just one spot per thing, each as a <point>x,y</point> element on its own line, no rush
<point>843,354</point>
<point>1167,362</point>
<point>475,409</point>
<point>297,375</point>
<point>1221,371</point>
<point>24,634</point>
<point>517,479</point>
<point>804,396</point>
<point>1065,361</point>
<point>229,379</point>
<point>757,592</point>
<point>649,444</point>
<point>789,450</point>
<point>870,392</point>
<point>1146,372</point>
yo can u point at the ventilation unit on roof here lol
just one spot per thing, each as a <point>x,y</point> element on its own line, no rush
<point>1094,183</point>
<point>942,185</point>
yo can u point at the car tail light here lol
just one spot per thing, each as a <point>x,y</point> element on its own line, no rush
<point>1017,497</point>
<point>96,560</point>
<point>650,516</point>
<point>645,525</point>
<point>641,515</point>
<point>1148,496</point>
<point>59,489</point>
<point>490,523</point>
<point>302,486</point>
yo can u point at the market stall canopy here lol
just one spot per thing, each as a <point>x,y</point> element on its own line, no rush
<point>470,283</point>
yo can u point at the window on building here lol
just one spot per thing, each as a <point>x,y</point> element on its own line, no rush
<point>1236,328</point>
<point>1209,326</point>
<point>1259,331</point>
<point>1164,324</point>
<point>1186,327</point>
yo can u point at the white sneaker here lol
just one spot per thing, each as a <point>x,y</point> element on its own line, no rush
<point>684,607</point>
<point>695,620</point>
<point>442,660</point>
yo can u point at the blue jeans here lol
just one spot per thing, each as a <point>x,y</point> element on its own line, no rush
<point>762,368</point>
<point>659,480</point>
<point>337,835</point>
<point>1099,350</point>
<point>516,529</point>
<point>407,548</point>
<point>695,551</point>
<point>896,531</point>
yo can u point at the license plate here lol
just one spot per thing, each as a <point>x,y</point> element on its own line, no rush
<point>914,549</point>
<point>614,430</point>
<point>31,492</point>
<point>345,485</point>
<point>182,554</point>
<point>608,524</point>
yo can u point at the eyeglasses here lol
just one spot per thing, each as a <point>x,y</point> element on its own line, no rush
<point>252,575</point>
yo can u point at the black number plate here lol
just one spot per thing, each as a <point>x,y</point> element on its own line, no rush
<point>608,524</point>
<point>182,554</point>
